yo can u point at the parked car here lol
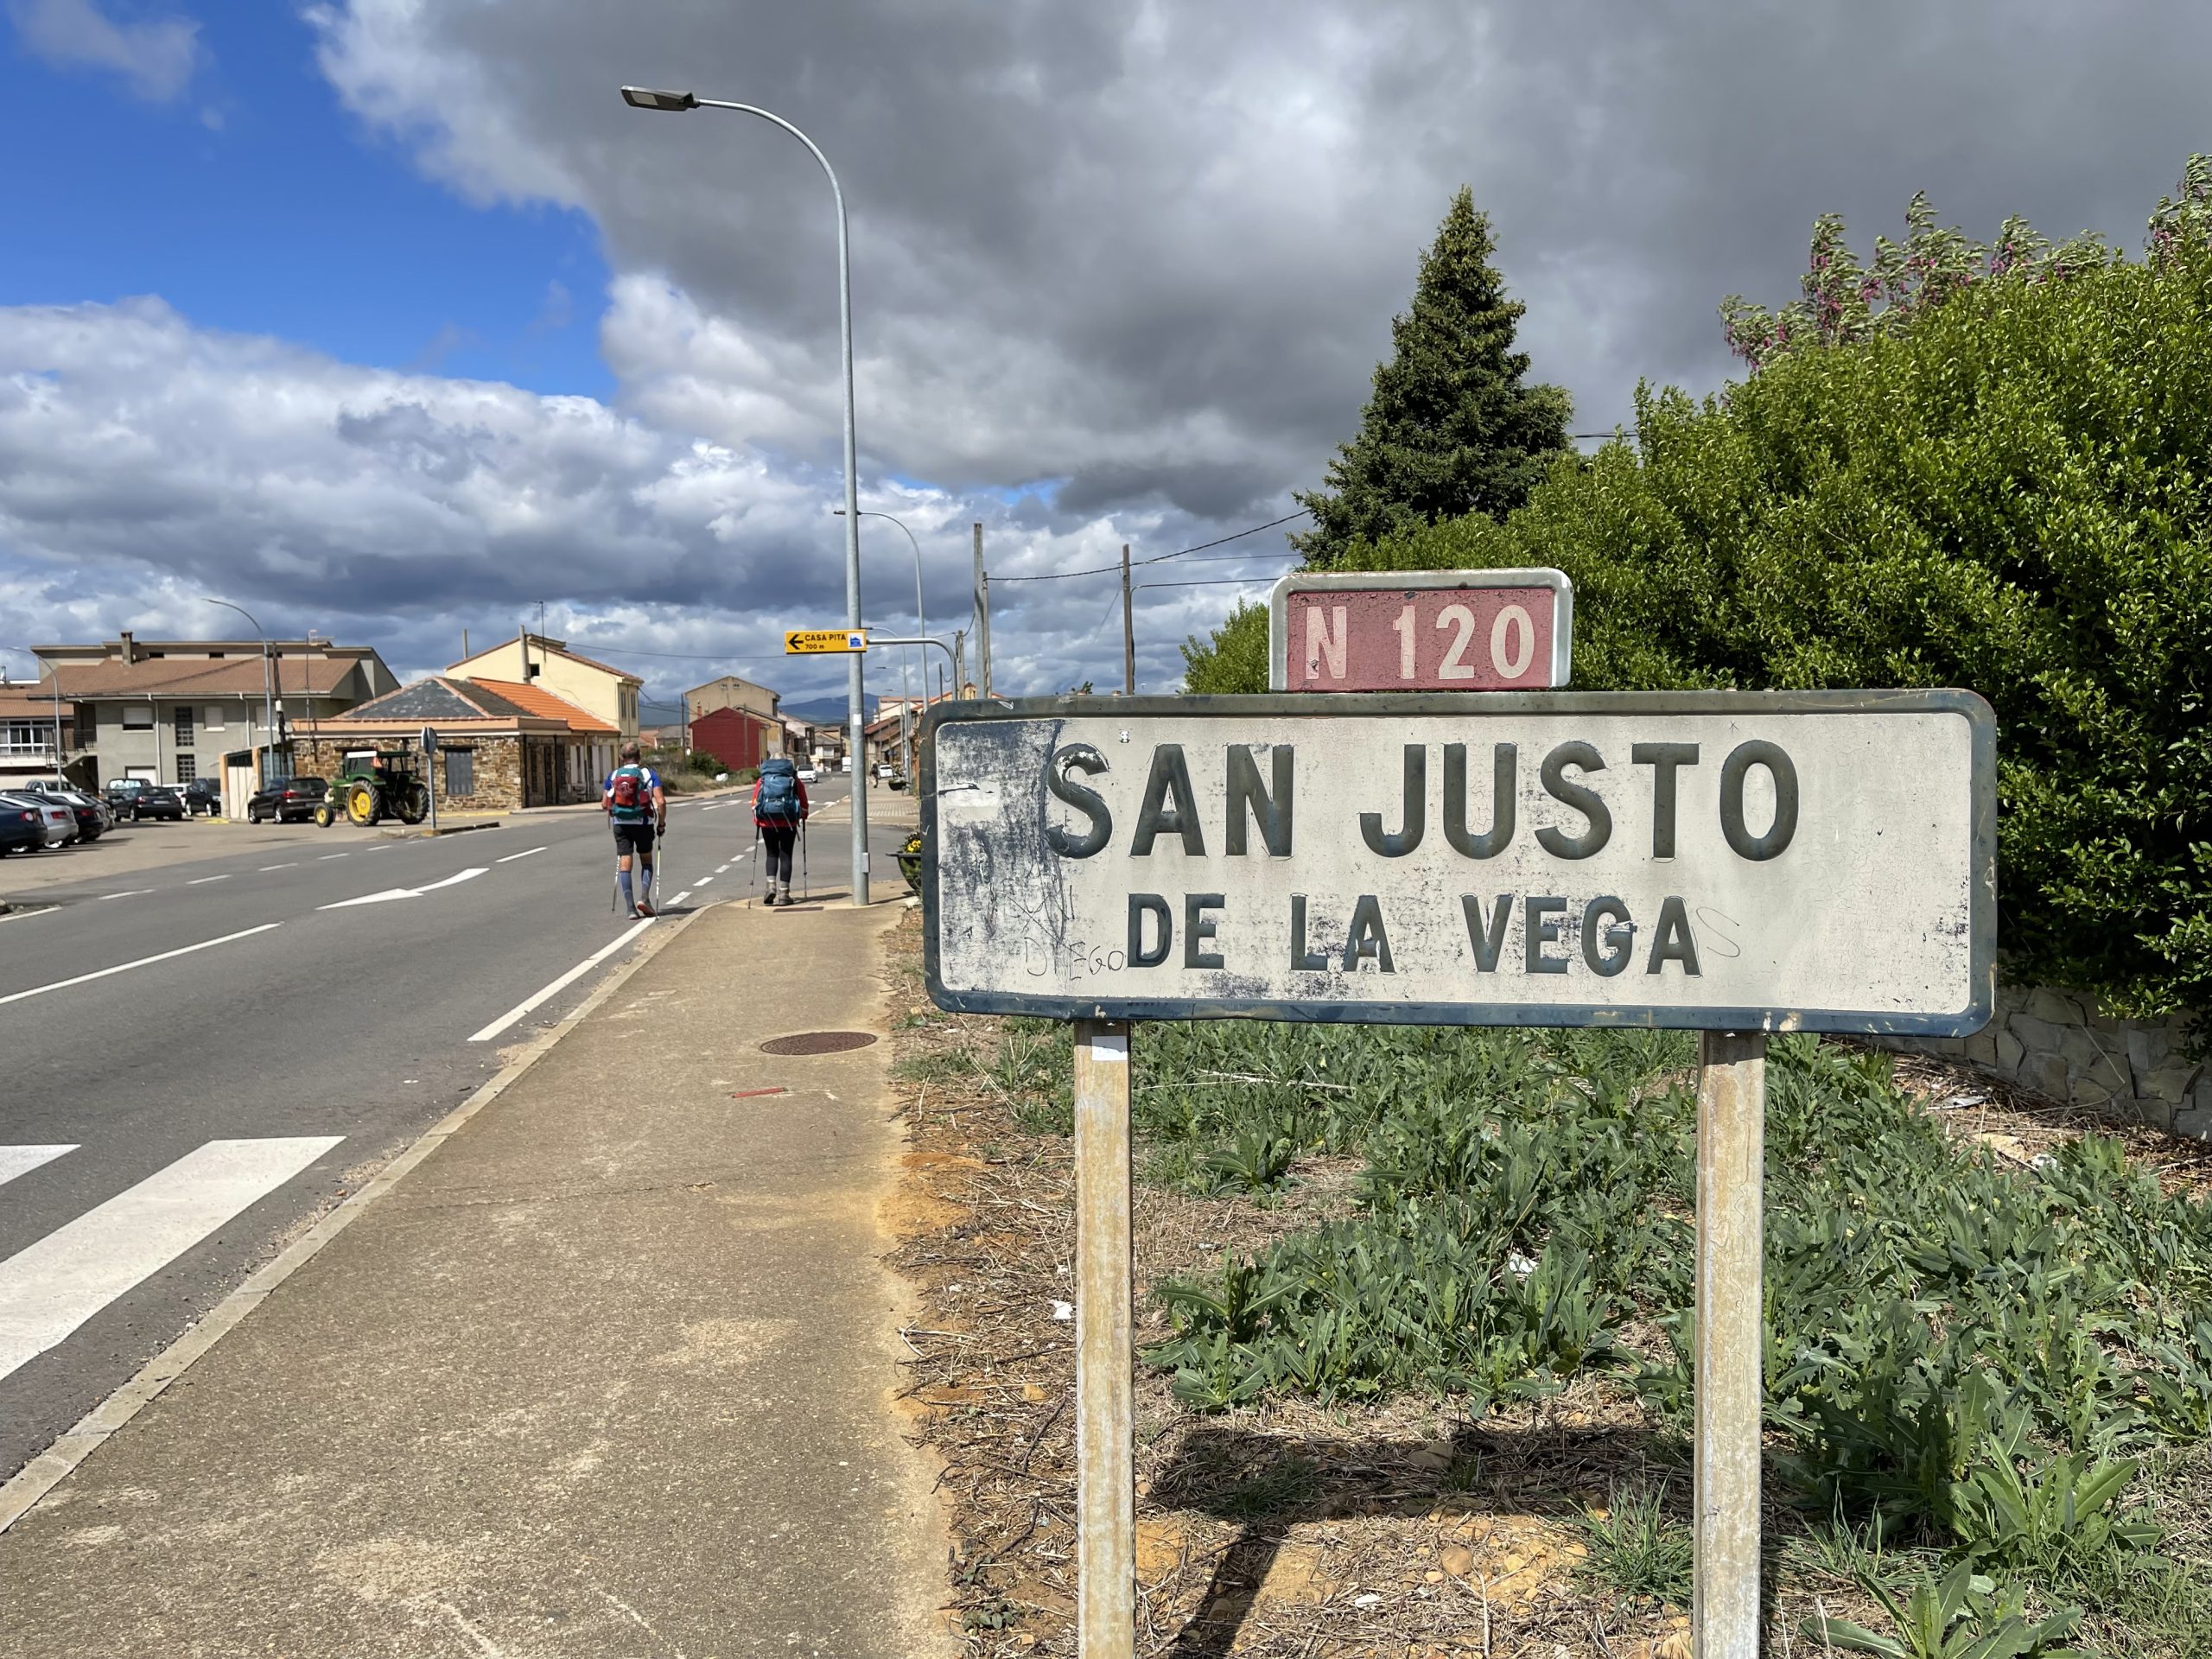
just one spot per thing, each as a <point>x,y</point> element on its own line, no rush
<point>807,774</point>
<point>203,796</point>
<point>93,820</point>
<point>119,792</point>
<point>22,826</point>
<point>157,801</point>
<point>60,822</point>
<point>294,798</point>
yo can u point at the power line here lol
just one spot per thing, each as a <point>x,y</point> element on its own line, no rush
<point>1160,558</point>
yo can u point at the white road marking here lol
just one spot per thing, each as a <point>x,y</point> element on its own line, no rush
<point>511,857</point>
<point>133,893</point>
<point>326,857</point>
<point>202,881</point>
<point>390,894</point>
<point>21,1160</point>
<point>142,961</point>
<point>681,897</point>
<point>562,983</point>
<point>49,1288</point>
<point>294,865</point>
<point>702,880</point>
<point>718,869</point>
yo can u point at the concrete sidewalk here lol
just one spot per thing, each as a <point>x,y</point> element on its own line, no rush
<point>608,1374</point>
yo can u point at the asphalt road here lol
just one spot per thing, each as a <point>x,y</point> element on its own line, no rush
<point>252,999</point>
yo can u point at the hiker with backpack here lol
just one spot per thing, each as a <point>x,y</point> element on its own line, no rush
<point>637,807</point>
<point>779,808</point>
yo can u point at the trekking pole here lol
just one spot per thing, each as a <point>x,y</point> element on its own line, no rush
<point>805,881</point>
<point>756,860</point>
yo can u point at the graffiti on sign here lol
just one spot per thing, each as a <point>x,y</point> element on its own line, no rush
<point>1775,860</point>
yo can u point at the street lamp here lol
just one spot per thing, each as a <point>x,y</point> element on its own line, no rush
<point>640,98</point>
<point>268,693</point>
<point>924,627</point>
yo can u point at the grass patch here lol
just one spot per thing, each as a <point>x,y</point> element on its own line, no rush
<point>1635,1547</point>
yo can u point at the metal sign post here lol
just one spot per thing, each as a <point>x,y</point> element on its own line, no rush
<point>430,767</point>
<point>1105,1355</point>
<point>1729,863</point>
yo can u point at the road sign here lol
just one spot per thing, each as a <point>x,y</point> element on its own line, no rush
<point>1724,861</point>
<point>429,740</point>
<point>803,642</point>
<point>1421,630</point>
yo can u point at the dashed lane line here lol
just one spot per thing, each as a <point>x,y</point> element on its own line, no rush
<point>142,961</point>
<point>511,857</point>
<point>202,881</point>
<point>266,868</point>
<point>127,893</point>
<point>561,984</point>
<point>326,857</point>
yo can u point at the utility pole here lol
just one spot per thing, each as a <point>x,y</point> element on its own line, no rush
<point>982,612</point>
<point>1128,632</point>
<point>960,662</point>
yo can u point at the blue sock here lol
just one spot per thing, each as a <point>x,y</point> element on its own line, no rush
<point>622,880</point>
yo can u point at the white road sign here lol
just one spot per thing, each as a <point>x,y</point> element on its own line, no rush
<point>1741,860</point>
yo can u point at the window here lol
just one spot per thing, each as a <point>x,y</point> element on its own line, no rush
<point>188,768</point>
<point>138,716</point>
<point>215,717</point>
<point>461,772</point>
<point>184,725</point>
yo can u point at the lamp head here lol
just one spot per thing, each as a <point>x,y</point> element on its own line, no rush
<point>644,97</point>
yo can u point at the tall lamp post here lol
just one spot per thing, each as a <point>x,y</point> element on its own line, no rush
<point>268,691</point>
<point>923,621</point>
<point>640,98</point>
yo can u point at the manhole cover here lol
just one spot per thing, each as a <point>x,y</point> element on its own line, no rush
<point>817,1042</point>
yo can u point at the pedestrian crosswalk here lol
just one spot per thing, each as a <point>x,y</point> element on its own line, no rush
<point>53,1286</point>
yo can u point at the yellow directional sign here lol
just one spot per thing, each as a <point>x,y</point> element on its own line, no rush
<point>801,642</point>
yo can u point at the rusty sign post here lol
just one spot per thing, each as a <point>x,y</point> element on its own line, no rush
<point>1733,863</point>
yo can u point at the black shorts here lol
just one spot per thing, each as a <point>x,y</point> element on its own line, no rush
<point>634,838</point>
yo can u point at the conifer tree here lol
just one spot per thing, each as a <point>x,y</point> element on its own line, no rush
<point>1450,428</point>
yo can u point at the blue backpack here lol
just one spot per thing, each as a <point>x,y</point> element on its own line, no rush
<point>778,801</point>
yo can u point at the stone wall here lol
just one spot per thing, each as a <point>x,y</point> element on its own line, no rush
<point>2058,1044</point>
<point>496,786</point>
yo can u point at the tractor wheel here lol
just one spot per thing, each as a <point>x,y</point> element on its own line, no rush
<point>413,804</point>
<point>323,816</point>
<point>362,805</point>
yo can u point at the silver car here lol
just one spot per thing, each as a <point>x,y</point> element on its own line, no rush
<point>59,821</point>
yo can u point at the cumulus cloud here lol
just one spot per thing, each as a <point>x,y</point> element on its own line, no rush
<point>145,462</point>
<point>1149,252</point>
<point>156,57</point>
<point>1121,272</point>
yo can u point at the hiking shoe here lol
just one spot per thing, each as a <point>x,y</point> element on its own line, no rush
<point>645,908</point>
<point>769,898</point>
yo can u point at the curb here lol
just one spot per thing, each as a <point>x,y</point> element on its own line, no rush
<point>55,1465</point>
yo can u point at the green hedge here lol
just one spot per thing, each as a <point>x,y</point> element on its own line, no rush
<point>2012,493</point>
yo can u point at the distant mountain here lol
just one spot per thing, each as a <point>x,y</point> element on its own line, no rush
<point>825,711</point>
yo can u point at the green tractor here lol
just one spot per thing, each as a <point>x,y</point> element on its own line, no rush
<point>367,789</point>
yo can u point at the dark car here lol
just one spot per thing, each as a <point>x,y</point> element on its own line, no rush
<point>21,830</point>
<point>294,798</point>
<point>157,801</point>
<point>203,796</point>
<point>119,792</point>
<point>92,819</point>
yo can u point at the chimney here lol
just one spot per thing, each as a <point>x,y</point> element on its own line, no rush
<point>129,646</point>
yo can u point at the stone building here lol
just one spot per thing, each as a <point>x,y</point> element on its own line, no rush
<point>501,747</point>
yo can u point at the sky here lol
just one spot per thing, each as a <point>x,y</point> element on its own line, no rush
<point>388,318</point>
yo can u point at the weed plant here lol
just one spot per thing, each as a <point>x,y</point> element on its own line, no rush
<point>1962,1356</point>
